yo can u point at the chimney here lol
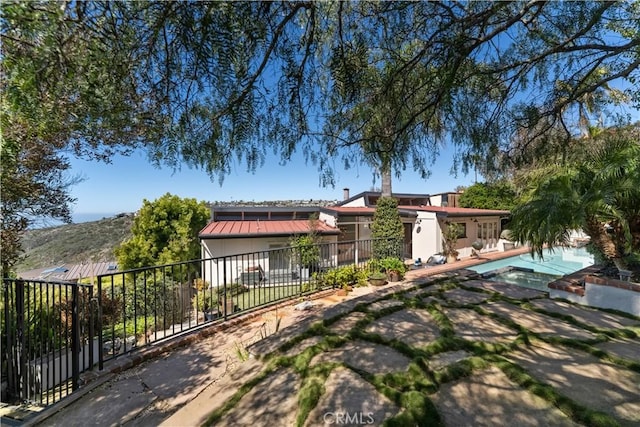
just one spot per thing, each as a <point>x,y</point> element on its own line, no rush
<point>345,194</point>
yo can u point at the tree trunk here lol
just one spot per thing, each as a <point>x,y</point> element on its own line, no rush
<point>604,242</point>
<point>385,176</point>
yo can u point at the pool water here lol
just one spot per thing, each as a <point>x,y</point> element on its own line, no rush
<point>527,279</point>
<point>559,262</point>
<point>533,272</point>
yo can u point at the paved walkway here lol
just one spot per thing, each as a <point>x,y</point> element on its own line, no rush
<point>440,348</point>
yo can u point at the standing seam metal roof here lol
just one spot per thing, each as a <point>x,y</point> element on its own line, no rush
<point>220,229</point>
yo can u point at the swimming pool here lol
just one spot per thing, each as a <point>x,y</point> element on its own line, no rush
<point>525,278</point>
<point>532,272</point>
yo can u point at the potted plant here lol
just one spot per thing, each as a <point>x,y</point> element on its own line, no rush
<point>476,247</point>
<point>394,267</point>
<point>206,301</point>
<point>450,235</point>
<point>377,278</point>
<point>344,291</point>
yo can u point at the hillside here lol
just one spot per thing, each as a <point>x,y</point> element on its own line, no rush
<point>74,243</point>
<point>95,241</point>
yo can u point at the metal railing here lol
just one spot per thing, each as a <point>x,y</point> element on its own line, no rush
<point>45,330</point>
<point>54,331</point>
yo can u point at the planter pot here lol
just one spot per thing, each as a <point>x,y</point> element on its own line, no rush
<point>394,276</point>
<point>342,292</point>
<point>210,315</point>
<point>374,281</point>
<point>451,259</point>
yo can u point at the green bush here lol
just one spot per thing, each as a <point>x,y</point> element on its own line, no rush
<point>393,264</point>
<point>374,265</point>
<point>233,289</point>
<point>387,229</point>
<point>307,251</point>
<point>205,300</point>
<point>153,295</point>
<point>348,275</point>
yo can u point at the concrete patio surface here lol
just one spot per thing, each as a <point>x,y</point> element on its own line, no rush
<point>440,348</point>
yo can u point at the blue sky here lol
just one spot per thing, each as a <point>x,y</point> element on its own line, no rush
<point>121,186</point>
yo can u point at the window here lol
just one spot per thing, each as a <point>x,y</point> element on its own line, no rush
<point>279,258</point>
<point>463,230</point>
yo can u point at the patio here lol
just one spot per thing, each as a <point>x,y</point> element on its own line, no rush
<point>208,373</point>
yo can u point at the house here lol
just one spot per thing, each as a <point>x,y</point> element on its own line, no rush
<point>71,272</point>
<point>423,222</point>
<point>254,238</point>
<point>251,242</point>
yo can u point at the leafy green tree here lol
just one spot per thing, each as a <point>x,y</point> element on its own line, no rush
<point>206,83</point>
<point>200,82</point>
<point>489,195</point>
<point>387,229</point>
<point>597,190</point>
<point>34,182</point>
<point>164,231</point>
<point>63,92</point>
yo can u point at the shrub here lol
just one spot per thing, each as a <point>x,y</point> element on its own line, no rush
<point>348,275</point>
<point>307,251</point>
<point>450,236</point>
<point>374,265</point>
<point>233,289</point>
<point>386,229</point>
<point>205,300</point>
<point>393,264</point>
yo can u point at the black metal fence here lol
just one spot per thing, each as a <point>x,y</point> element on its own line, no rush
<point>54,331</point>
<point>45,326</point>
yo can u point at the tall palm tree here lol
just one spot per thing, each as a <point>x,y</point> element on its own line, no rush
<point>597,190</point>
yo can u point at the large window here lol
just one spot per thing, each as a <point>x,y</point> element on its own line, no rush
<point>488,233</point>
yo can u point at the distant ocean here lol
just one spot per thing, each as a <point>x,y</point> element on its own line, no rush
<point>76,218</point>
<point>86,217</point>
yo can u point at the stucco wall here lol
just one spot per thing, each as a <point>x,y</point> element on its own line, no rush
<point>425,236</point>
<point>603,297</point>
<point>436,200</point>
<point>327,219</point>
<point>242,253</point>
<point>357,203</point>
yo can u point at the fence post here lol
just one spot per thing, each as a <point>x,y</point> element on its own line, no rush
<point>9,345</point>
<point>20,350</point>
<point>92,332</point>
<point>75,337</point>
<point>224,288</point>
<point>100,326</point>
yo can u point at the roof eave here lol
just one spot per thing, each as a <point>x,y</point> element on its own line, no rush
<point>275,234</point>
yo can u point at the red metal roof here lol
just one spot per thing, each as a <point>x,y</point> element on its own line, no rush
<point>457,211</point>
<point>224,229</point>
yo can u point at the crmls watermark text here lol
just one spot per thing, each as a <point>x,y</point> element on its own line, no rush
<point>351,418</point>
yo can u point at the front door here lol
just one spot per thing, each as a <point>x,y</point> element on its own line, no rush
<point>408,240</point>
